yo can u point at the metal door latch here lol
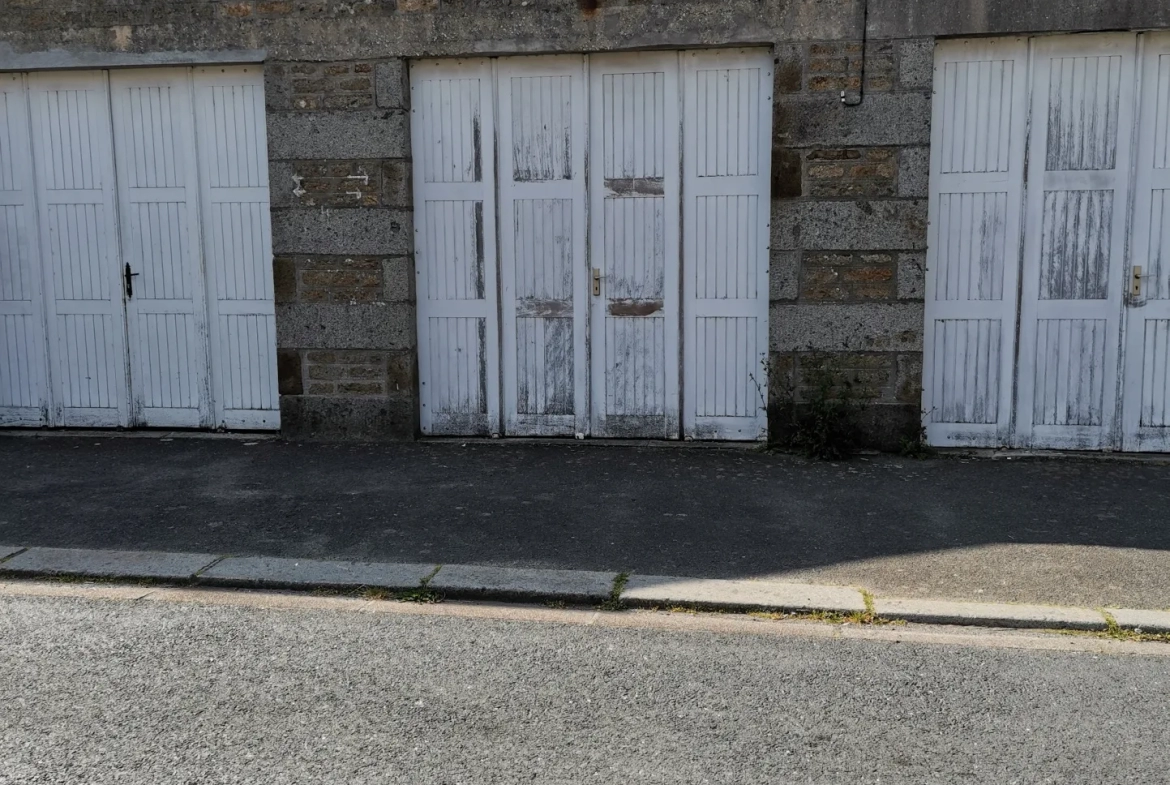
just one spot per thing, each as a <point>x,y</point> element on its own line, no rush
<point>129,277</point>
<point>1136,286</point>
<point>596,281</point>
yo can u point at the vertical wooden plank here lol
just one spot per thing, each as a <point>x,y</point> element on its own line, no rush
<point>75,189</point>
<point>1145,391</point>
<point>154,120</point>
<point>236,245</point>
<point>725,195</point>
<point>25,385</point>
<point>976,192</point>
<point>453,126</point>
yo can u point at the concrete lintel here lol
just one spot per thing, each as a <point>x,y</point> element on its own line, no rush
<point>107,564</point>
<point>506,582</point>
<point>312,573</point>
<point>738,594</point>
<point>60,59</point>
<point>989,614</point>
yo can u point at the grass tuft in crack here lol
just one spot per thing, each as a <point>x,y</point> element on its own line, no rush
<point>614,601</point>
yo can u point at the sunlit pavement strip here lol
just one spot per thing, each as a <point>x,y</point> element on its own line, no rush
<point>502,583</point>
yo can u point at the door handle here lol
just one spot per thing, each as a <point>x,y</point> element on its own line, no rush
<point>129,280</point>
<point>596,281</point>
<point>1135,289</point>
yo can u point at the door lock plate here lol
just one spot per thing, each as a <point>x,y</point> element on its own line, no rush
<point>1136,285</point>
<point>596,281</point>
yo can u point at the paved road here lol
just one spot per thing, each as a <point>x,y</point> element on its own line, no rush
<point>116,691</point>
<point>1065,532</point>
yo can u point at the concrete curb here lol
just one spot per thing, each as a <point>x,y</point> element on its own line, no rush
<point>504,583</point>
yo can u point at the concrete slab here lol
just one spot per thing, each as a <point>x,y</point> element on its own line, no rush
<point>107,564</point>
<point>303,573</point>
<point>505,582</point>
<point>1146,621</point>
<point>665,590</point>
<point>8,550</point>
<point>989,614</point>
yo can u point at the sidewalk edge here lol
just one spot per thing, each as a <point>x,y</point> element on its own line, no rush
<point>516,584</point>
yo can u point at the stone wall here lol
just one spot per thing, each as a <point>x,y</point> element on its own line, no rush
<point>849,226</point>
<point>849,182</point>
<point>340,178</point>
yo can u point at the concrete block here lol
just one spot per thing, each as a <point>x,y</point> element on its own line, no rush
<point>107,564</point>
<point>990,614</point>
<point>1146,621</point>
<point>840,327</point>
<point>8,550</point>
<point>313,418</point>
<point>311,573</point>
<point>664,590</point>
<point>916,18</point>
<point>281,185</point>
<point>398,279</point>
<point>911,276</point>
<point>359,231</point>
<point>382,133</point>
<point>506,582</point>
<point>390,84</point>
<point>856,225</point>
<point>916,64</point>
<point>337,326</point>
<point>914,172</point>
<point>784,275</point>
<point>883,119</point>
<point>277,87</point>
<point>908,379</point>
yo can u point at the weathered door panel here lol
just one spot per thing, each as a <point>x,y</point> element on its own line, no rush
<point>158,190</point>
<point>1074,251</point>
<point>453,126</point>
<point>634,210</point>
<point>24,381</point>
<point>978,147</point>
<point>237,245</point>
<point>544,299</point>
<point>74,165</point>
<point>727,120</point>
<point>1146,385</point>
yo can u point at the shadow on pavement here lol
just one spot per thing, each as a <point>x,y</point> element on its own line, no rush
<point>1065,531</point>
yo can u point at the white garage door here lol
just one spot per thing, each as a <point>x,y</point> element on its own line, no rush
<point>135,250</point>
<point>1047,316</point>
<point>627,293</point>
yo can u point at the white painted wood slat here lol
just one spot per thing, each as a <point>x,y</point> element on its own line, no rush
<point>453,126</point>
<point>543,265</point>
<point>976,203</point>
<point>1072,290</point>
<point>74,164</point>
<point>158,190</point>
<point>236,246</point>
<point>727,111</point>
<point>24,380</point>
<point>635,192</point>
<point>1146,381</point>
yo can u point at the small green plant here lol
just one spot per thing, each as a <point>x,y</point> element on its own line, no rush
<point>824,423</point>
<point>614,601</point>
<point>420,595</point>
<point>915,446</point>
